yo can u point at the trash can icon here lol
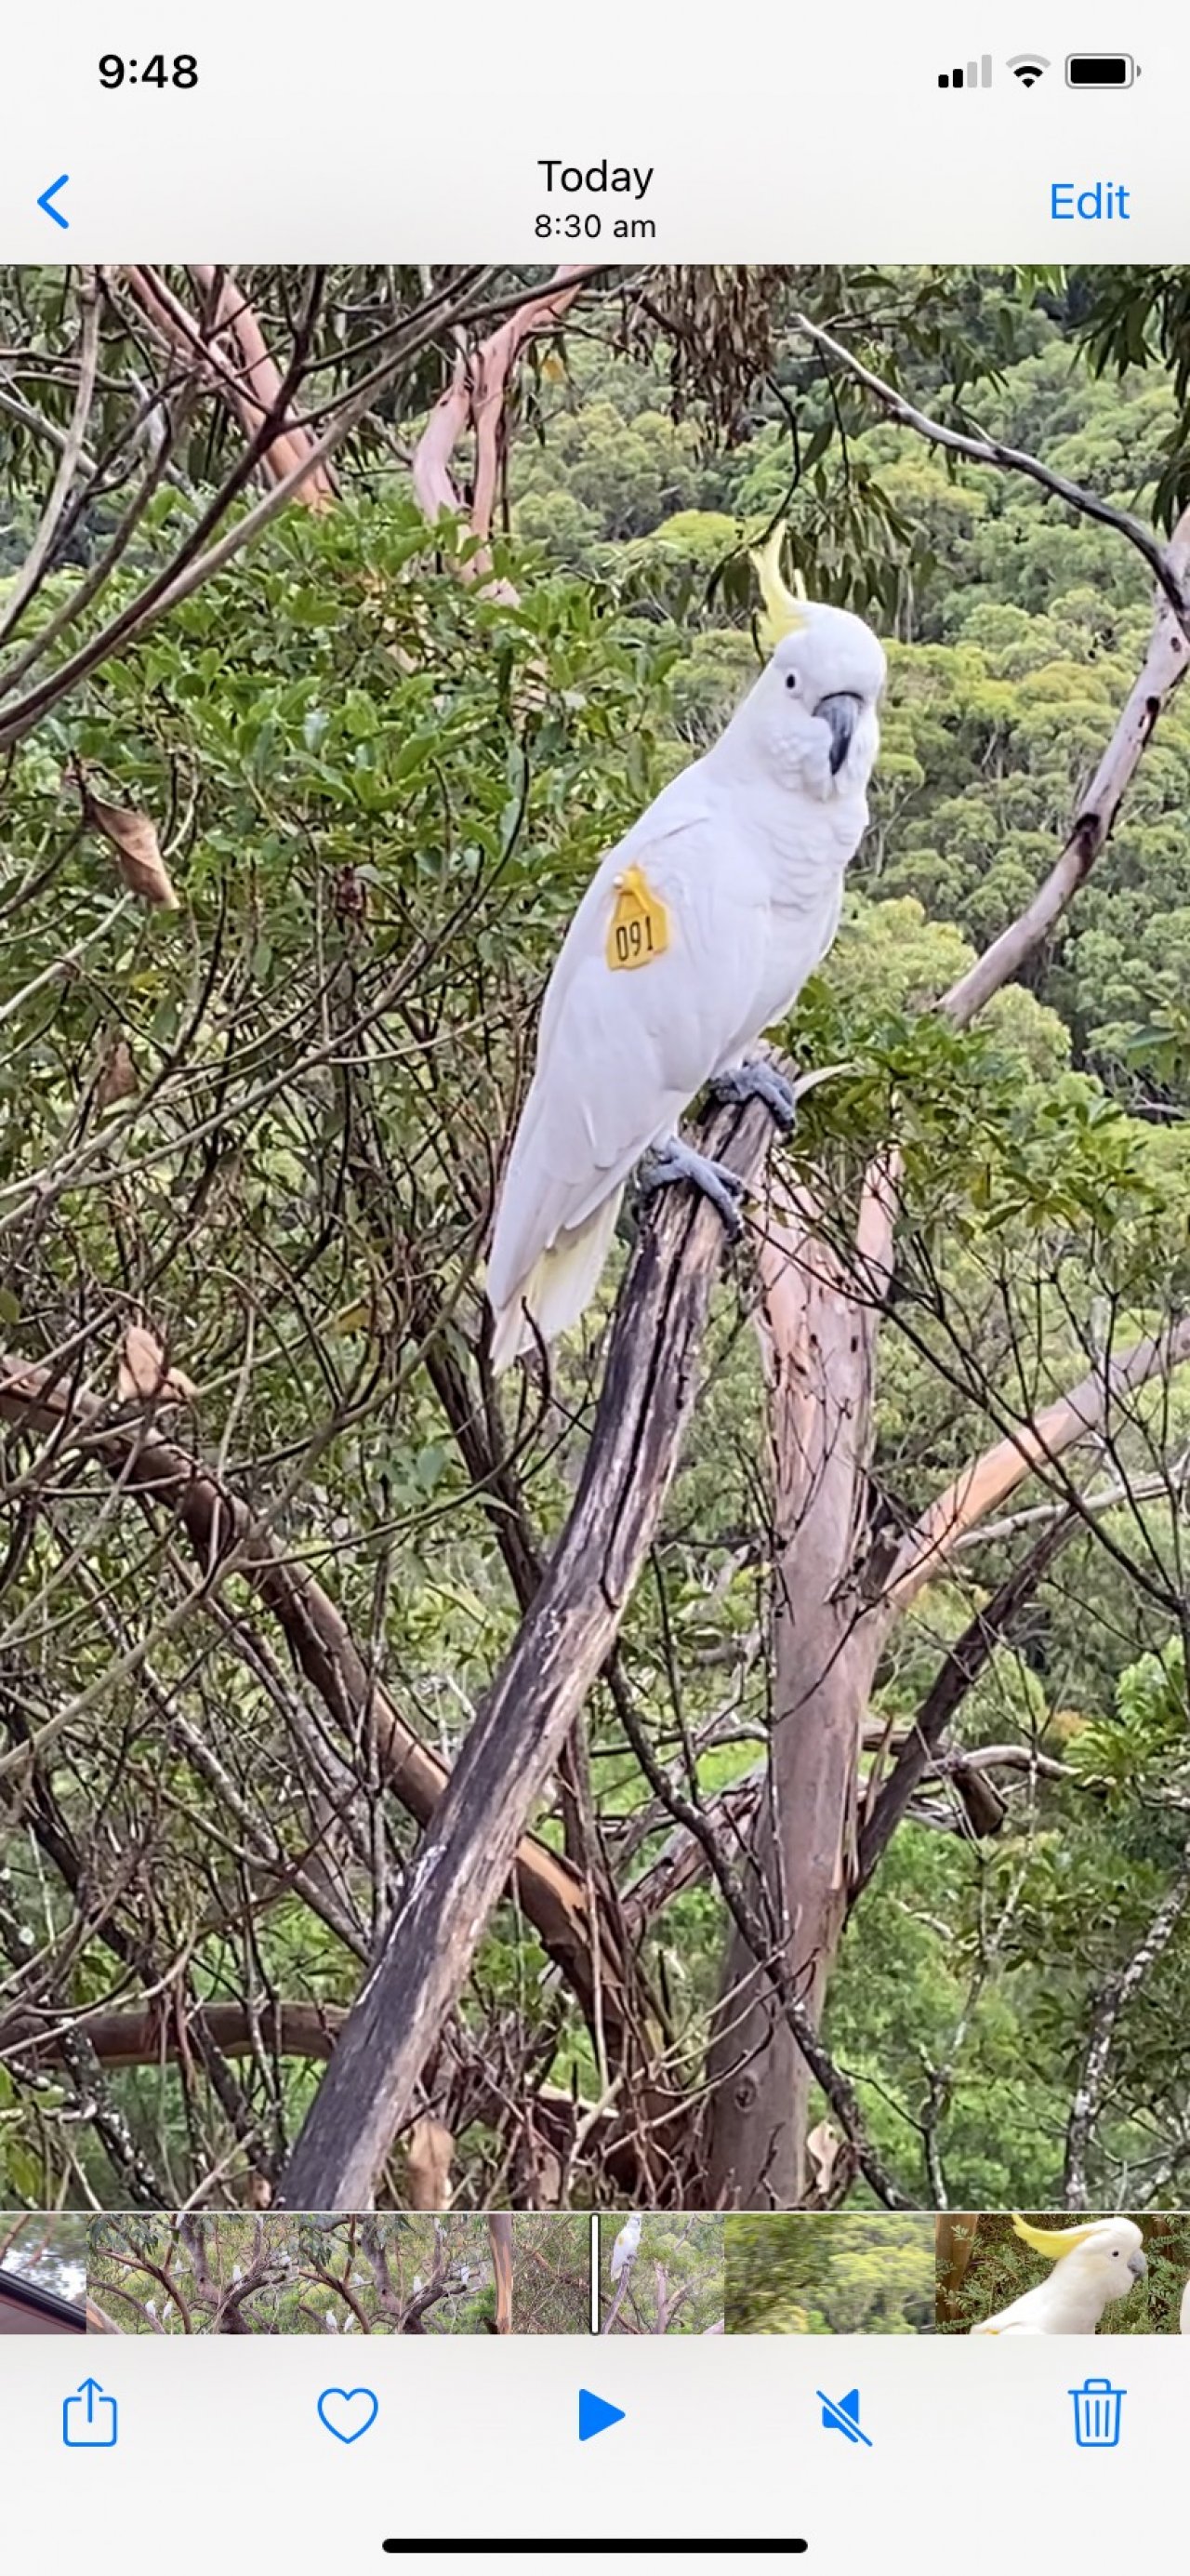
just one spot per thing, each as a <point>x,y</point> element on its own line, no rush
<point>1097,2414</point>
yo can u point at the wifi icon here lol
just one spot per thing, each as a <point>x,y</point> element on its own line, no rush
<point>1028,68</point>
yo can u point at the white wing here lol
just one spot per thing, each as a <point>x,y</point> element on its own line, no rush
<point>620,1055</point>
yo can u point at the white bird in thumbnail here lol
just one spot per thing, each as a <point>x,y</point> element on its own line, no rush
<point>1092,2265</point>
<point>624,2249</point>
<point>1186,2309</point>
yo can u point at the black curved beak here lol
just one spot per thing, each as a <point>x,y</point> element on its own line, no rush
<point>842,713</point>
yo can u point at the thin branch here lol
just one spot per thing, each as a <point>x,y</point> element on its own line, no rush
<point>1114,1998</point>
<point>986,1482</point>
<point>1167,570</point>
<point>964,1662</point>
<point>223,1532</point>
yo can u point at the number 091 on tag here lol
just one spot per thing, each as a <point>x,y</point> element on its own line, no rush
<point>639,930</point>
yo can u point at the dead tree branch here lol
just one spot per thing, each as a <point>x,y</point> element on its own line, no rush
<point>648,1393</point>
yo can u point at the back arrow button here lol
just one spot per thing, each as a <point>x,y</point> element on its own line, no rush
<point>46,202</point>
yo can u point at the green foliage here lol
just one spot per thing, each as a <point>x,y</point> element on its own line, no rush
<point>845,2272</point>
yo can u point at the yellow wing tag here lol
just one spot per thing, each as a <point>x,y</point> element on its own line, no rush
<point>639,925</point>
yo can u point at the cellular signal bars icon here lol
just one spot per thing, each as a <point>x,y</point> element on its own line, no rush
<point>975,76</point>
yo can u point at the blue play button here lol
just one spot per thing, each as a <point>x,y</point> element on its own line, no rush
<point>595,2415</point>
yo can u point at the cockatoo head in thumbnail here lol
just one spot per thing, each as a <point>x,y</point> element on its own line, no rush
<point>1091,2265</point>
<point>1107,2254</point>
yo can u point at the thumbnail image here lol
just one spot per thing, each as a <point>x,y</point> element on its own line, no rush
<point>661,2273</point>
<point>594,1295</point>
<point>390,2274</point>
<point>1041,2275</point>
<point>43,2274</point>
<point>547,2272</point>
<point>848,2271</point>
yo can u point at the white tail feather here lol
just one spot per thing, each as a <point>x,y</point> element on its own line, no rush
<point>560,1284</point>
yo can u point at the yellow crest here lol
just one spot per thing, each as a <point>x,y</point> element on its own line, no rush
<point>781,614</point>
<point>1053,2242</point>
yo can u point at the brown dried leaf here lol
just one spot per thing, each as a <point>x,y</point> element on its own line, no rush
<point>144,1378</point>
<point>133,837</point>
<point>430,2154</point>
<point>822,2148</point>
<point>117,1074</point>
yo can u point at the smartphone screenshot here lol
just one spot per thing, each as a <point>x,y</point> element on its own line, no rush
<point>594,1290</point>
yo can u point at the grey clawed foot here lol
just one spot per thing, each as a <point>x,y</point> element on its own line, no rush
<point>678,1162</point>
<point>759,1082</point>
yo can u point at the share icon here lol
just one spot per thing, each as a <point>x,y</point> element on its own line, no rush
<point>841,2415</point>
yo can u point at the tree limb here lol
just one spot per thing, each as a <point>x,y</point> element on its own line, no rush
<point>988,1481</point>
<point>650,1382</point>
<point>476,400</point>
<point>149,2037</point>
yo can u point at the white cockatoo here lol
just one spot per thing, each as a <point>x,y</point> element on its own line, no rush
<point>1092,2265</point>
<point>624,2249</point>
<point>696,933</point>
<point>1186,2309</point>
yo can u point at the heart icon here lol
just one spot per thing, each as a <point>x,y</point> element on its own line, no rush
<point>348,2412</point>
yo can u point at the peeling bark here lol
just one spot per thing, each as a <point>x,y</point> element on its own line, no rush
<point>475,404</point>
<point>648,1393</point>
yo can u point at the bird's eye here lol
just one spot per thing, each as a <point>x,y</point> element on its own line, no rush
<point>791,679</point>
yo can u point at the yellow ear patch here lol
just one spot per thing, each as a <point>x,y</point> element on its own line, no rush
<point>782,614</point>
<point>639,929</point>
<point>1053,2242</point>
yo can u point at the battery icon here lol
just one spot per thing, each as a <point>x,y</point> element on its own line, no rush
<point>1100,71</point>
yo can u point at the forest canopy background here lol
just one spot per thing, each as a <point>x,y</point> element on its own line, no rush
<point>267,1532</point>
